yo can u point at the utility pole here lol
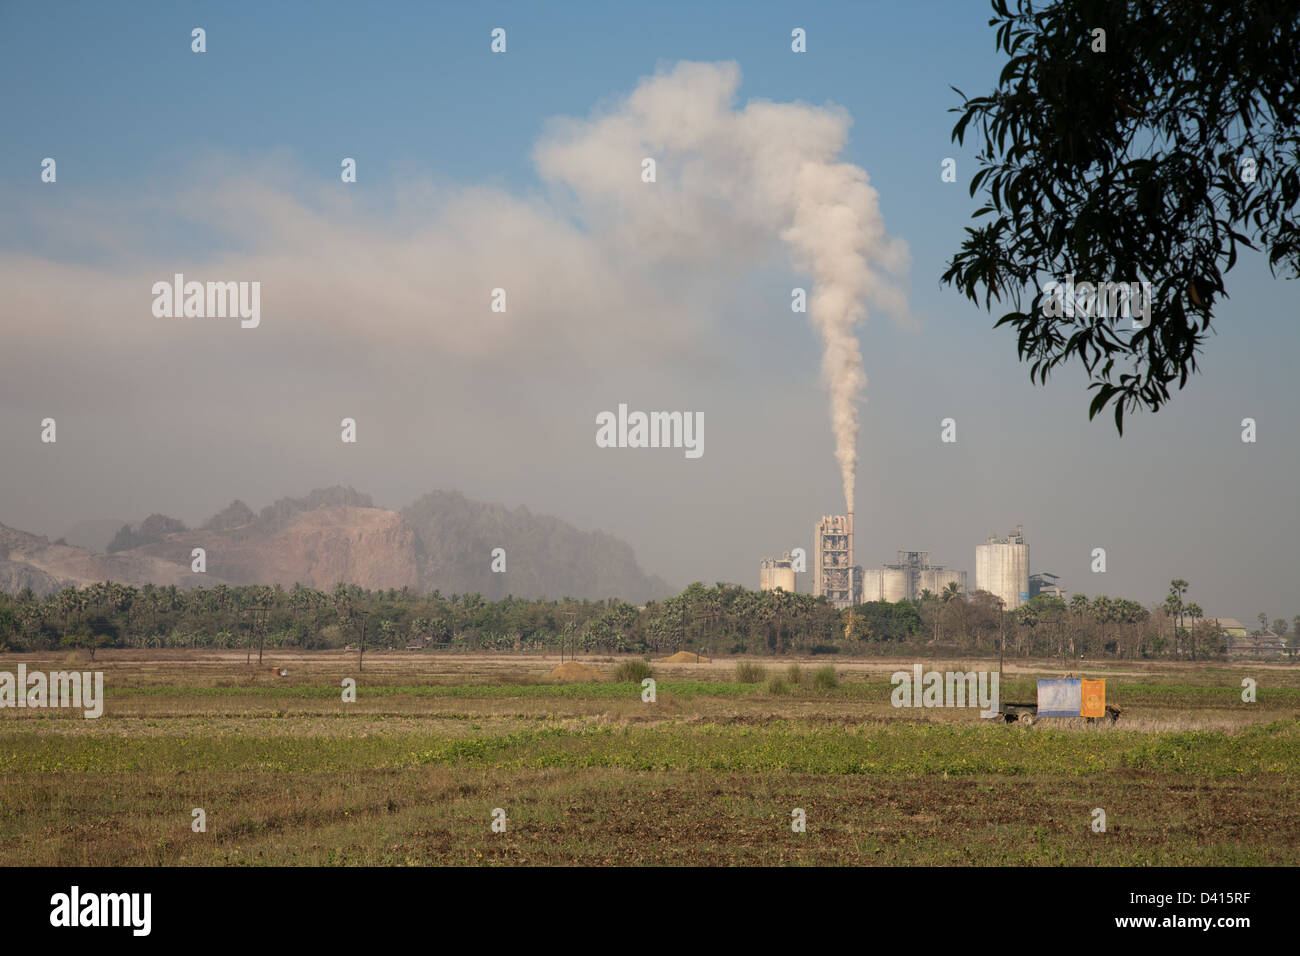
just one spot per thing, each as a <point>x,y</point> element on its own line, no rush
<point>564,634</point>
<point>1002,644</point>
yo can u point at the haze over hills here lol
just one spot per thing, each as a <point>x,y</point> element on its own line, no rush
<point>27,560</point>
<point>444,541</point>
<point>544,555</point>
<point>93,535</point>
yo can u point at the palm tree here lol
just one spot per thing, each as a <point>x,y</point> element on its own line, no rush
<point>345,607</point>
<point>149,601</point>
<point>1080,608</point>
<point>1103,611</point>
<point>70,603</point>
<point>713,609</point>
<point>781,605</point>
<point>766,612</point>
<point>926,605</point>
<point>263,600</point>
<point>1129,613</point>
<point>1026,619</point>
<point>1177,588</point>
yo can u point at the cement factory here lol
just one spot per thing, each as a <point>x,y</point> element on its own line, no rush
<point>1001,568</point>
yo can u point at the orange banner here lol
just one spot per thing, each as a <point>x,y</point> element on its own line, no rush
<point>1094,698</point>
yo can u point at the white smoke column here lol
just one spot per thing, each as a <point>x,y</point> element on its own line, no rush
<point>727,180</point>
<point>837,233</point>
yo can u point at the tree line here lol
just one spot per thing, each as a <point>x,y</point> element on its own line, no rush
<point>722,619</point>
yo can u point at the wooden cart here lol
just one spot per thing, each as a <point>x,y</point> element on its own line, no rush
<point>1027,714</point>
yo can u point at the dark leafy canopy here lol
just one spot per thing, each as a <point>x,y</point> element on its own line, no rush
<point>725,618</point>
<point>1127,166</point>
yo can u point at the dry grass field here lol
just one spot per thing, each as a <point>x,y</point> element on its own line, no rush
<point>286,772</point>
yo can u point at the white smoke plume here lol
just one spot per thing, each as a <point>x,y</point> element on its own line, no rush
<point>727,178</point>
<point>356,293</point>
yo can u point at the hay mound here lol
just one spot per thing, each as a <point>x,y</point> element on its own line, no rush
<point>572,670</point>
<point>684,657</point>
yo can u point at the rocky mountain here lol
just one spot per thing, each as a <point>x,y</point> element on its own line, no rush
<point>30,561</point>
<point>444,541</point>
<point>295,542</point>
<point>543,555</point>
<point>156,527</point>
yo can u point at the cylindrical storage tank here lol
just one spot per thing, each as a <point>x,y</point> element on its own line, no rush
<point>776,573</point>
<point>872,585</point>
<point>893,584</point>
<point>936,580</point>
<point>783,578</point>
<point>1002,569</point>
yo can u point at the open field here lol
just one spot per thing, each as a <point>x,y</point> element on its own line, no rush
<point>587,773</point>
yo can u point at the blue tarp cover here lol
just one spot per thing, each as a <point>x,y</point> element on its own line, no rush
<point>1060,697</point>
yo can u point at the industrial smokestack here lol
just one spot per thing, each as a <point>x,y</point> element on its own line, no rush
<point>851,587</point>
<point>850,537</point>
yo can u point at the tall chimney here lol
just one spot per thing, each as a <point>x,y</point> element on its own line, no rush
<point>850,557</point>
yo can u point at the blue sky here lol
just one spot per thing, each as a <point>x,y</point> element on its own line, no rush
<point>136,120</point>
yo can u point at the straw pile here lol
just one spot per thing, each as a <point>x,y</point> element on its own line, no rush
<point>684,657</point>
<point>572,670</point>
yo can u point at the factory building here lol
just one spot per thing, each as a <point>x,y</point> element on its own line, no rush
<point>833,570</point>
<point>1046,584</point>
<point>907,578</point>
<point>776,573</point>
<point>1002,568</point>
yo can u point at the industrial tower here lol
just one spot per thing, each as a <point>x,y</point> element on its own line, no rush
<point>833,569</point>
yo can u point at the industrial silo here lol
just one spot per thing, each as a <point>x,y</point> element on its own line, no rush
<point>776,573</point>
<point>1002,568</point>
<point>895,584</point>
<point>936,580</point>
<point>872,585</point>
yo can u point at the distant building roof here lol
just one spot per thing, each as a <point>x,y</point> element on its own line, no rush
<point>1229,624</point>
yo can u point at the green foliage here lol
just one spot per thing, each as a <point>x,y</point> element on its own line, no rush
<point>883,621</point>
<point>632,671</point>
<point>794,674</point>
<point>953,750</point>
<point>1128,165</point>
<point>777,687</point>
<point>824,678</point>
<point>725,616</point>
<point>747,672</point>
